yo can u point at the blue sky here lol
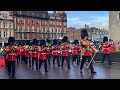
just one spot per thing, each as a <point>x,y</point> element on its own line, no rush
<point>78,19</point>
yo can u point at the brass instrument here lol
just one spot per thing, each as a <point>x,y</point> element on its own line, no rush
<point>3,50</point>
<point>13,48</point>
<point>28,48</point>
<point>36,48</point>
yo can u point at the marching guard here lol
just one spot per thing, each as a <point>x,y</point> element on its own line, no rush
<point>23,52</point>
<point>28,55</point>
<point>18,53</point>
<point>65,51</point>
<point>42,57</point>
<point>55,52</point>
<point>106,50</point>
<point>76,52</point>
<point>86,51</point>
<point>11,57</point>
<point>48,51</point>
<point>34,50</point>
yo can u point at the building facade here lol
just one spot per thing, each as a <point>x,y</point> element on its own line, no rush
<point>29,24</point>
<point>73,34</point>
<point>96,34</point>
<point>57,27</point>
<point>114,25</point>
<point>6,26</point>
<point>39,25</point>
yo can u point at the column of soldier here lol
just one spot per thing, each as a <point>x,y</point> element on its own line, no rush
<point>36,54</point>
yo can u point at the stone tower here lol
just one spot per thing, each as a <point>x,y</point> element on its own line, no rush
<point>114,25</point>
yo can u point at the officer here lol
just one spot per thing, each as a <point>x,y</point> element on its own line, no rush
<point>106,50</point>
<point>55,52</point>
<point>11,57</point>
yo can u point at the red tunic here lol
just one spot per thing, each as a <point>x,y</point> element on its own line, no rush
<point>86,48</point>
<point>42,55</point>
<point>113,48</point>
<point>65,49</point>
<point>106,48</point>
<point>23,50</point>
<point>28,54</point>
<point>54,50</point>
<point>11,56</point>
<point>75,51</point>
<point>19,50</point>
<point>34,52</point>
<point>47,52</point>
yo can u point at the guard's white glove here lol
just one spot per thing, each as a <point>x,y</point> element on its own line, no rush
<point>70,50</point>
<point>96,51</point>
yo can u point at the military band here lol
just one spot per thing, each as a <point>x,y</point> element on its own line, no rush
<point>34,54</point>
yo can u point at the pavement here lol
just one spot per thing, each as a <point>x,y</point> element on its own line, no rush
<point>104,71</point>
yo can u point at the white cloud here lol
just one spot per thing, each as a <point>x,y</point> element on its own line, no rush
<point>92,21</point>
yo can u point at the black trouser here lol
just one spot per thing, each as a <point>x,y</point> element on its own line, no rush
<point>67,59</point>
<point>29,60</point>
<point>11,68</point>
<point>56,57</point>
<point>36,62</point>
<point>76,57</point>
<point>49,58</point>
<point>6,64</point>
<point>23,58</point>
<point>45,64</point>
<point>84,58</point>
<point>106,55</point>
<point>18,58</point>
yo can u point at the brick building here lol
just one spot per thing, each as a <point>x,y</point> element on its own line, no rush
<point>6,26</point>
<point>39,25</point>
<point>73,34</point>
<point>28,24</point>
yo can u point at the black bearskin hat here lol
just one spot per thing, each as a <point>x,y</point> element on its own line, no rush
<point>84,33</point>
<point>55,42</point>
<point>42,42</point>
<point>23,43</point>
<point>19,44</point>
<point>105,39</point>
<point>30,43</point>
<point>59,43</point>
<point>47,40</point>
<point>27,42</point>
<point>11,40</point>
<point>76,42</point>
<point>34,42</point>
<point>65,39</point>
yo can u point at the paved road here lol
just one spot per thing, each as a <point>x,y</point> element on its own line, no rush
<point>104,71</point>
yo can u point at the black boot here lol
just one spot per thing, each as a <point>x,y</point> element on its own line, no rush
<point>9,74</point>
<point>58,65</point>
<point>93,72</point>
<point>46,70</point>
<point>13,76</point>
<point>81,71</point>
<point>69,67</point>
<point>110,63</point>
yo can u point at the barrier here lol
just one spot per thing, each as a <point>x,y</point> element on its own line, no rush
<point>115,56</point>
